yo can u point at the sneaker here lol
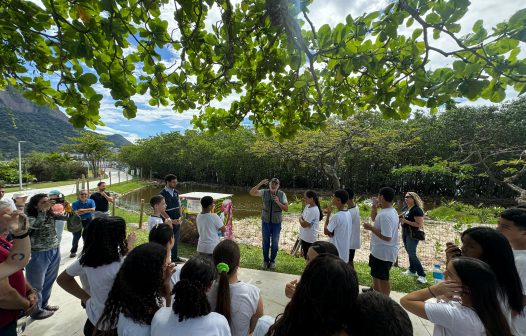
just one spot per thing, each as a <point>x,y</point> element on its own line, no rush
<point>409,273</point>
<point>43,315</point>
<point>72,255</point>
<point>421,279</point>
<point>365,290</point>
<point>265,266</point>
<point>51,308</point>
<point>272,265</point>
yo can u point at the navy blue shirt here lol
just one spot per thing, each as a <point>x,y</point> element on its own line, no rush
<point>173,208</point>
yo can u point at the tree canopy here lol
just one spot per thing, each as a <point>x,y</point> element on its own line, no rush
<point>281,72</point>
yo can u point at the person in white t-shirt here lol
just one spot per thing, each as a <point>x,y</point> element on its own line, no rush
<point>512,224</point>
<point>473,308</point>
<point>309,221</point>
<point>158,204</point>
<point>384,239</point>
<point>208,225</point>
<point>354,215</point>
<point>142,283</point>
<point>191,314</point>
<point>239,302</point>
<point>339,226</point>
<point>105,245</point>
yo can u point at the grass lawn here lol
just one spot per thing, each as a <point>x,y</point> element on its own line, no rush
<point>45,185</point>
<point>251,257</point>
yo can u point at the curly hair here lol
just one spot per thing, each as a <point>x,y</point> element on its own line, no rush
<point>138,287</point>
<point>190,299</point>
<point>328,289</point>
<point>32,206</point>
<point>104,241</point>
<point>226,252</point>
<point>418,201</point>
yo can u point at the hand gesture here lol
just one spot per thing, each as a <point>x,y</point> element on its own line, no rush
<point>374,200</point>
<point>168,221</point>
<point>32,297</point>
<point>290,288</point>
<point>263,182</point>
<point>450,289</point>
<point>132,237</point>
<point>452,251</point>
<point>169,270</point>
<point>275,198</point>
<point>367,226</point>
<point>16,222</point>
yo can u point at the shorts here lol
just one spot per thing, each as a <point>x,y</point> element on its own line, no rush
<point>379,268</point>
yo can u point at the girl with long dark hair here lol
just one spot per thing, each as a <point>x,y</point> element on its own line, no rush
<point>310,221</point>
<point>493,248</point>
<point>239,302</point>
<point>42,269</point>
<point>472,282</point>
<point>191,314</point>
<point>105,245</point>
<point>322,301</point>
<point>141,287</point>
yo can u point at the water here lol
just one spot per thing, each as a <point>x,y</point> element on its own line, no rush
<point>438,274</point>
<point>244,204</point>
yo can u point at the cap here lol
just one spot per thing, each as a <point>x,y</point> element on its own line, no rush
<point>20,195</point>
<point>54,192</point>
<point>274,179</point>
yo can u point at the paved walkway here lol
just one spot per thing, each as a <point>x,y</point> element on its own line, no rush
<point>69,319</point>
<point>69,189</point>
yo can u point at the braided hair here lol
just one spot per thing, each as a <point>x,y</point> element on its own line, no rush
<point>190,299</point>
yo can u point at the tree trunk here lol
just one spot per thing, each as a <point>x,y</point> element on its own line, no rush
<point>330,172</point>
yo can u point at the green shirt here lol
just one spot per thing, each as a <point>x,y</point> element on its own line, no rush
<point>43,233</point>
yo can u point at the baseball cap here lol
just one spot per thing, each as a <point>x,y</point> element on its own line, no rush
<point>274,179</point>
<point>54,192</point>
<point>20,195</point>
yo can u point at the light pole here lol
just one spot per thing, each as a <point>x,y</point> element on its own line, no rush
<point>20,164</point>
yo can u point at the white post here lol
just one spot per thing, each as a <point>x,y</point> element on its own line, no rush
<point>20,164</point>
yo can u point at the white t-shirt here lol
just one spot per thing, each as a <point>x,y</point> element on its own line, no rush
<point>166,323</point>
<point>244,300</point>
<point>340,226</point>
<point>100,280</point>
<point>354,214</point>
<point>128,327</point>
<point>453,319</point>
<point>387,221</point>
<point>312,216</point>
<point>207,226</point>
<point>519,323</point>
<point>154,220</point>
<point>263,325</point>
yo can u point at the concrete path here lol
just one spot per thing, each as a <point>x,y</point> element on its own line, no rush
<point>69,319</point>
<point>69,189</point>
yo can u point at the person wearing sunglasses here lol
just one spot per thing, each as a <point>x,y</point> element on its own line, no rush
<point>84,207</point>
<point>412,221</point>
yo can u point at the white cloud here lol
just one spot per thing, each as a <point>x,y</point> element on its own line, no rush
<point>109,130</point>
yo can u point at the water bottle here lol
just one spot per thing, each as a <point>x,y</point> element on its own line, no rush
<point>438,274</point>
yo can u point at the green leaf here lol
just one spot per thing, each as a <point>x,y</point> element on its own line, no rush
<point>479,24</point>
<point>519,18</point>
<point>416,33</point>
<point>433,18</point>
<point>299,84</point>
<point>87,79</point>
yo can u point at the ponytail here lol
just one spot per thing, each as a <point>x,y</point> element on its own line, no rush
<point>314,195</point>
<point>223,293</point>
<point>226,258</point>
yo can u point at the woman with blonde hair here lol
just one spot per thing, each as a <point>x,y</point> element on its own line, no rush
<point>412,223</point>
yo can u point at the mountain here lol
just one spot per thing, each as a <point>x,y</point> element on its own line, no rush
<point>43,128</point>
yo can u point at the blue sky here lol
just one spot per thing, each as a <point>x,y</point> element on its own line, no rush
<point>154,120</point>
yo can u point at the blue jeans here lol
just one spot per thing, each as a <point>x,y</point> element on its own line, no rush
<point>41,273</point>
<point>270,233</point>
<point>410,245</point>
<point>176,229</point>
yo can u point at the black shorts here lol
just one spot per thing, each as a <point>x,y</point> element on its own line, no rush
<point>379,268</point>
<point>351,254</point>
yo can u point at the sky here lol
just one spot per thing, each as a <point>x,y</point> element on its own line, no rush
<point>154,120</point>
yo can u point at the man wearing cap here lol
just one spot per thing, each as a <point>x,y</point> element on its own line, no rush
<point>6,199</point>
<point>274,203</point>
<point>84,207</point>
<point>20,199</point>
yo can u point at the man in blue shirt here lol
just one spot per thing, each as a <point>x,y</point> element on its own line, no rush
<point>84,207</point>
<point>173,210</point>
